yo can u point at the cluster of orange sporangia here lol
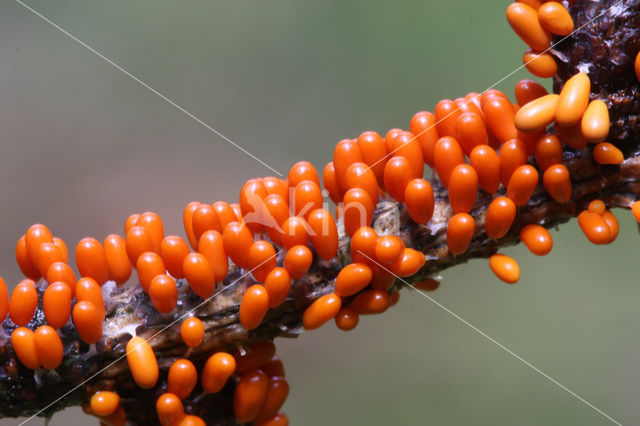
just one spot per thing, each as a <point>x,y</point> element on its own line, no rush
<point>479,142</point>
<point>535,21</point>
<point>260,391</point>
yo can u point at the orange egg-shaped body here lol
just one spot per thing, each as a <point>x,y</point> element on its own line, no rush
<point>537,239</point>
<point>606,153</point>
<point>463,187</point>
<point>505,268</point>
<point>557,183</point>
<point>62,246</point>
<point>572,136</point>
<point>388,249</point>
<point>87,319</point>
<point>555,18</point>
<point>347,318</point>
<point>173,250</point>
<point>460,231</point>
<point>471,131</point>
<point>27,267</point>
<point>500,118</point>
<point>382,278</point>
<point>153,224</point>
<point>262,259</point>
<point>255,356</point>
<point>211,246</point>
<point>187,220</point>
<point>149,265</point>
<point>486,163</point>
<point>170,409</point>
<point>225,211</point>
<point>277,284</point>
<point>183,377</point>
<point>522,183</point>
<point>358,210</point>
<point>199,274</point>
<point>23,303</point>
<point>548,151</point>
<point>163,293</point>
<point>297,261</point>
<point>205,218</point>
<point>36,235</point>
<point>118,264</point>
<point>409,262</point>
<point>192,332</point>
<point>49,347</point>
<point>277,392</point>
<point>321,310</point>
<point>363,245</point>
<point>273,367</point>
<point>359,175</point>
<point>56,304</point>
<point>294,232</point>
<point>131,221</point>
<point>513,154</point>
<point>142,363</point>
<point>330,182</point>
<point>419,200</point>
<point>423,125</point>
<point>307,197</point>
<point>91,260</point>
<point>48,254</point>
<point>323,233</point>
<point>500,216</point>
<point>406,145</point>
<point>524,21</point>
<point>237,239</point>
<point>397,174</point>
<point>278,212</point>
<point>351,279</point>
<point>594,227</point>
<point>138,241</point>
<point>371,302</point>
<point>88,290</point>
<point>374,154</point>
<point>299,172</point>
<point>573,99</point>
<point>529,90</point>
<point>447,155</point>
<point>23,343</point>
<point>540,64</point>
<point>216,371</point>
<point>597,207</point>
<point>253,307</point>
<point>345,154</point>
<point>429,284</point>
<point>104,403</point>
<point>60,271</point>
<point>447,112</point>
<point>537,114</point>
<point>249,396</point>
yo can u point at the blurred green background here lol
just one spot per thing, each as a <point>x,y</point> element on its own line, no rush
<point>83,146</point>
